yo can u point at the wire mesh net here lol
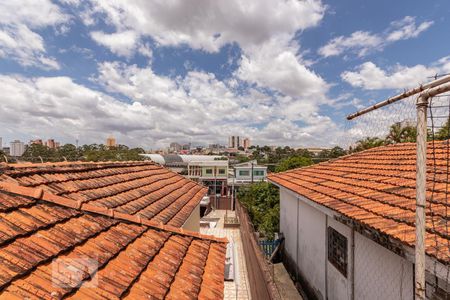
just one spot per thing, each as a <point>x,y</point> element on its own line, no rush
<point>387,125</point>
<point>393,124</point>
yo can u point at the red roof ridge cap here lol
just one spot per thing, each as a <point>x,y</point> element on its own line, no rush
<point>39,193</point>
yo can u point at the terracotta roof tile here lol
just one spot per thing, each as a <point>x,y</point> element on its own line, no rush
<point>136,188</point>
<point>376,187</point>
<point>49,250</point>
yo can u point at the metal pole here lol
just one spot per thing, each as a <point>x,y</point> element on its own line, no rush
<point>401,96</point>
<point>421,173</point>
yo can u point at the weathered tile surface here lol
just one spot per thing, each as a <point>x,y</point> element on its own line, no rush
<point>135,188</point>
<point>376,187</point>
<point>50,251</point>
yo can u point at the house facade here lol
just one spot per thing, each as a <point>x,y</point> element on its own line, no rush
<point>249,172</point>
<point>348,231</point>
<point>212,174</point>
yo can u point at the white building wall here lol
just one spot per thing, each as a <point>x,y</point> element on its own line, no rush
<point>339,286</point>
<point>305,239</point>
<point>380,273</point>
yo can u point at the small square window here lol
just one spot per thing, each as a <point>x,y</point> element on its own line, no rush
<point>221,171</point>
<point>337,250</point>
<point>209,171</point>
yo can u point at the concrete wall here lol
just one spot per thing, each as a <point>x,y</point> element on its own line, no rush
<point>378,272</point>
<point>304,229</point>
<point>381,274</point>
<point>193,222</point>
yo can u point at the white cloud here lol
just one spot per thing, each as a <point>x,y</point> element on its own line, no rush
<point>370,77</point>
<point>364,42</point>
<point>18,41</point>
<point>406,29</point>
<point>208,25</point>
<point>275,65</point>
<point>198,108</point>
<point>359,41</point>
<point>121,43</point>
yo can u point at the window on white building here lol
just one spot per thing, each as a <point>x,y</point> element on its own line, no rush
<point>337,250</point>
<point>209,171</point>
<point>258,173</point>
<point>221,171</point>
<point>244,173</point>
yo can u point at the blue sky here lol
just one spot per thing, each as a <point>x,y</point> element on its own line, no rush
<point>153,72</point>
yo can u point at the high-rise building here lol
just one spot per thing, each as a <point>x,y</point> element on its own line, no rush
<point>246,143</point>
<point>110,142</point>
<point>174,147</point>
<point>36,142</point>
<point>51,144</point>
<point>17,148</point>
<point>236,141</point>
<point>1,143</point>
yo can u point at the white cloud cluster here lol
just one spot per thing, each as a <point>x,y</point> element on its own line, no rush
<point>364,42</point>
<point>19,40</point>
<point>199,104</point>
<point>371,77</point>
<point>206,109</point>
<point>207,25</point>
<point>197,108</point>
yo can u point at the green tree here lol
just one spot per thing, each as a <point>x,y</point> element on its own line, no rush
<point>399,133</point>
<point>262,201</point>
<point>69,152</point>
<point>367,143</point>
<point>118,153</point>
<point>35,152</point>
<point>334,152</point>
<point>293,162</point>
<point>444,132</point>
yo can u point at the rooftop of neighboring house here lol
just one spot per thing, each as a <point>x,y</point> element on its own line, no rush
<point>51,248</point>
<point>179,158</point>
<point>143,189</point>
<point>210,163</point>
<point>249,164</point>
<point>377,188</point>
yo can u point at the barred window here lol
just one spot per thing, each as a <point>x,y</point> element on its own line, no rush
<point>337,250</point>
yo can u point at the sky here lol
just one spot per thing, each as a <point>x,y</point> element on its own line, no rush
<point>151,72</point>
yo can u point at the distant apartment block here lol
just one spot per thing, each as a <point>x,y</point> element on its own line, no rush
<point>246,143</point>
<point>36,142</point>
<point>52,144</point>
<point>234,142</point>
<point>17,148</point>
<point>111,142</point>
<point>174,147</point>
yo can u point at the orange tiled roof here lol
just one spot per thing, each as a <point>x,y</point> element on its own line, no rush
<point>51,250</point>
<point>376,188</point>
<point>136,188</point>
